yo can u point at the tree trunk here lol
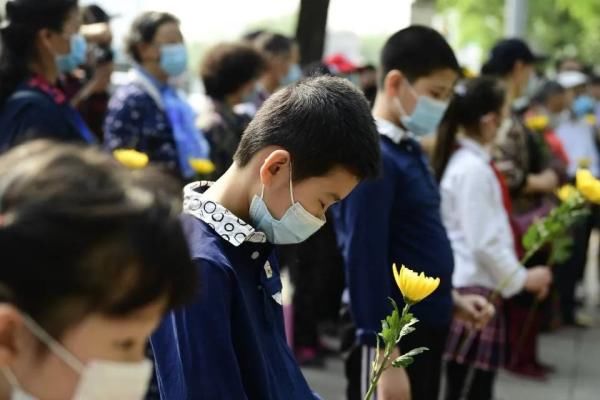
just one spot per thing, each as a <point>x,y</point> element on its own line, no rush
<point>310,32</point>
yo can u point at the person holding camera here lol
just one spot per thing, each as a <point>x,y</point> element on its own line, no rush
<point>89,86</point>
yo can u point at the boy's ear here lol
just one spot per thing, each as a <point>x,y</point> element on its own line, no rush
<point>489,117</point>
<point>277,164</point>
<point>10,324</point>
<point>393,82</point>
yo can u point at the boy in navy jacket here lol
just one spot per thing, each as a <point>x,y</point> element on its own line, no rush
<point>307,148</point>
<point>396,219</point>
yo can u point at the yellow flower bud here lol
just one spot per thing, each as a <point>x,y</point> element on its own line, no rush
<point>566,192</point>
<point>202,166</point>
<point>131,158</point>
<point>469,73</point>
<point>584,163</point>
<point>590,119</point>
<point>414,287</point>
<point>537,122</point>
<point>588,186</point>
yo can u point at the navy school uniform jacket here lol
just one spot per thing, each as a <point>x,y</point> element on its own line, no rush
<point>394,219</point>
<point>38,109</point>
<point>230,343</point>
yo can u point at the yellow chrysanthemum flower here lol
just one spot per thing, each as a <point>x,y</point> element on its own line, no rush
<point>566,192</point>
<point>590,119</point>
<point>202,166</point>
<point>131,158</point>
<point>588,185</point>
<point>469,73</point>
<point>414,287</point>
<point>537,122</point>
<point>584,163</point>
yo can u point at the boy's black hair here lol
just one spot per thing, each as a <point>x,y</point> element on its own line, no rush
<point>229,66</point>
<point>80,235</point>
<point>417,51</point>
<point>547,90</point>
<point>274,44</point>
<point>324,122</point>
<point>252,35</point>
<point>316,68</point>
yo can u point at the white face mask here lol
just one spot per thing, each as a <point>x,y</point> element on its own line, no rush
<point>294,227</point>
<point>426,116</point>
<point>98,380</point>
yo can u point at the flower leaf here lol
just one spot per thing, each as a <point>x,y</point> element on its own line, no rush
<point>406,359</point>
<point>561,249</point>
<point>531,237</point>
<point>408,327</point>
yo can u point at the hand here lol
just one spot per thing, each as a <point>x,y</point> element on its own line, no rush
<point>544,182</point>
<point>102,78</point>
<point>475,310</point>
<point>97,33</point>
<point>100,82</point>
<point>394,383</point>
<point>538,281</point>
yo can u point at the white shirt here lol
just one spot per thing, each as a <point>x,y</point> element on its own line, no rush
<point>395,133</point>
<point>477,223</point>
<point>577,138</point>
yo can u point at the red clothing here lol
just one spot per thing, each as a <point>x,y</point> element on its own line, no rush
<point>506,200</point>
<point>92,109</point>
<point>556,146</point>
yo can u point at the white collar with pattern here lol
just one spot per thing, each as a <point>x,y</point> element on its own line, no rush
<point>395,133</point>
<point>221,220</point>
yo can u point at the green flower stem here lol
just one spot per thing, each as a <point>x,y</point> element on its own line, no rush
<point>566,214</point>
<point>548,229</point>
<point>387,354</point>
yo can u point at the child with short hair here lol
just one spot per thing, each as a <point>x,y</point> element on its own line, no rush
<point>93,257</point>
<point>309,145</point>
<point>396,218</point>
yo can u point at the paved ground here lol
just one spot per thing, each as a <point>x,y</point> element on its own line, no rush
<point>575,352</point>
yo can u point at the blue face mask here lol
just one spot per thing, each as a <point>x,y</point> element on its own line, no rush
<point>583,105</point>
<point>173,59</point>
<point>251,96</point>
<point>294,75</point>
<point>76,57</point>
<point>426,116</point>
<point>294,227</point>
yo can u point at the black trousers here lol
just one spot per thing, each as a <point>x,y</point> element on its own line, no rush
<point>572,271</point>
<point>424,374</point>
<point>480,383</point>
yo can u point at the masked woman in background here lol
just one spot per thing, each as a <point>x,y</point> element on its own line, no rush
<point>40,40</point>
<point>148,114</point>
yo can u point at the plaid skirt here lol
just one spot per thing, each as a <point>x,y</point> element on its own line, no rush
<point>484,349</point>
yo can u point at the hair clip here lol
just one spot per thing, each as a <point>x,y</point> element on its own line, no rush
<point>460,89</point>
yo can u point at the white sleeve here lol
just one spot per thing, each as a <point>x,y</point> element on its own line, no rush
<point>487,230</point>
